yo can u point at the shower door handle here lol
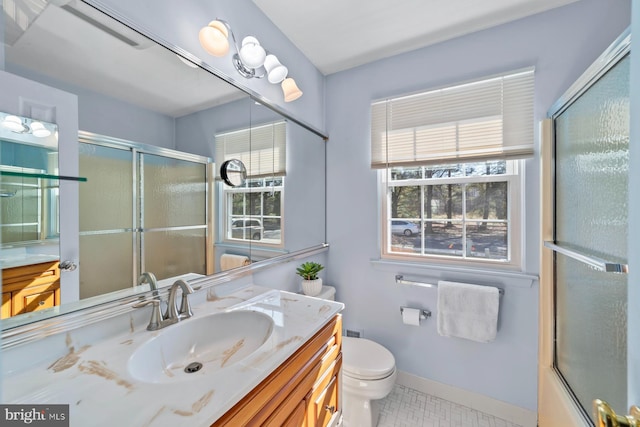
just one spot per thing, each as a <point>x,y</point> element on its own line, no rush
<point>605,417</point>
<point>597,263</point>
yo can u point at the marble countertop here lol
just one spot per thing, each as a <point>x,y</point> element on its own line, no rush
<point>95,381</point>
<point>26,259</point>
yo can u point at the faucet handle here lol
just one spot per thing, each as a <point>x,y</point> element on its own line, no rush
<point>172,306</point>
<point>185,307</point>
<point>156,314</point>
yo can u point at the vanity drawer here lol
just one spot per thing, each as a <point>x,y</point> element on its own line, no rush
<point>35,298</point>
<point>277,400</point>
<point>17,278</point>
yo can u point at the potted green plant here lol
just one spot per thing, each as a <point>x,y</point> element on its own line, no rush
<point>311,283</point>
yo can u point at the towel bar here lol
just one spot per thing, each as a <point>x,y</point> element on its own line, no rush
<point>402,281</point>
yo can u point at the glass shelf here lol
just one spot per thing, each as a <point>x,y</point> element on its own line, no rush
<point>43,176</point>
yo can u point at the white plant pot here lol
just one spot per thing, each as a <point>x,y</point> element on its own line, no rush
<point>312,287</point>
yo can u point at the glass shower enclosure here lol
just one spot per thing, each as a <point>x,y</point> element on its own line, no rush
<point>142,209</point>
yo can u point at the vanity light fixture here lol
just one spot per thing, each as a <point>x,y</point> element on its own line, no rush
<point>14,124</point>
<point>18,125</point>
<point>250,60</point>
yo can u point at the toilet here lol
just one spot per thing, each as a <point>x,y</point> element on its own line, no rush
<point>368,375</point>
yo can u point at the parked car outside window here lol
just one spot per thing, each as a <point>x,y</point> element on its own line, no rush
<point>404,227</point>
<point>247,229</point>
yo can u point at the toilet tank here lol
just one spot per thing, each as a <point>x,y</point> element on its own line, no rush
<point>328,293</point>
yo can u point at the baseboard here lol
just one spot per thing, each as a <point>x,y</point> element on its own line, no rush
<point>497,408</point>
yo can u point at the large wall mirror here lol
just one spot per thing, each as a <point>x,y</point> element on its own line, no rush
<point>153,130</point>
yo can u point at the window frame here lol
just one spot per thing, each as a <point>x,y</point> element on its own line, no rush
<point>515,219</point>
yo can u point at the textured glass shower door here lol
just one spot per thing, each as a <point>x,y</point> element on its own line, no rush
<point>173,215</point>
<point>591,165</point>
<point>106,219</point>
<point>140,212</point>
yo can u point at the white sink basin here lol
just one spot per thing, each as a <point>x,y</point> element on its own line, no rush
<point>199,345</point>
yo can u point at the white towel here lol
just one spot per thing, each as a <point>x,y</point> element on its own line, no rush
<point>228,261</point>
<point>468,311</point>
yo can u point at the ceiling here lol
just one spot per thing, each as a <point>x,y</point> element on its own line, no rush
<point>340,34</point>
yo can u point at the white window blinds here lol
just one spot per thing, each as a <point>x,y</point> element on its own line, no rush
<point>477,121</point>
<point>262,149</point>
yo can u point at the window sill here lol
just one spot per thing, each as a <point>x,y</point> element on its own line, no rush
<point>435,272</point>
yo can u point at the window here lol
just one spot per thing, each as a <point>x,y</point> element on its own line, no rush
<point>466,212</point>
<point>253,212</point>
<point>450,170</point>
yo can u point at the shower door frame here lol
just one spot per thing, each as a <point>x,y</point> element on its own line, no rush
<point>557,406</point>
<point>137,232</point>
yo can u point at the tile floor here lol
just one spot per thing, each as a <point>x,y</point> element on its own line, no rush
<point>405,407</point>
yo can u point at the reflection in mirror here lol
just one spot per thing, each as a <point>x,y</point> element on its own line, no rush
<point>28,156</point>
<point>142,210</point>
<point>151,123</point>
<point>29,211</point>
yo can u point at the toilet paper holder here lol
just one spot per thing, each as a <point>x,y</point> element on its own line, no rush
<point>423,313</point>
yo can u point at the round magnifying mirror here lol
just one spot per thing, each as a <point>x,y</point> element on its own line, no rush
<point>233,172</point>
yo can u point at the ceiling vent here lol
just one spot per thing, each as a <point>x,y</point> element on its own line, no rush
<point>107,24</point>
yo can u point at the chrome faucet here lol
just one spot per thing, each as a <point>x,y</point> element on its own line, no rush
<point>150,278</point>
<point>173,314</point>
<point>172,307</point>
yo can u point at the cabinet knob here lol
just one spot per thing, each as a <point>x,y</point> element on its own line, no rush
<point>41,303</point>
<point>331,409</point>
<point>68,266</point>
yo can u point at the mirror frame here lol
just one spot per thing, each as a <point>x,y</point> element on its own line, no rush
<point>74,317</point>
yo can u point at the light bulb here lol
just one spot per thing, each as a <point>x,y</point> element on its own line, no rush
<point>14,124</point>
<point>214,38</point>
<point>291,90</point>
<point>38,130</point>
<point>276,72</point>
<point>251,53</point>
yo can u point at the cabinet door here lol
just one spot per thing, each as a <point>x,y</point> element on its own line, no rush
<point>323,403</point>
<point>296,419</point>
<point>6,305</point>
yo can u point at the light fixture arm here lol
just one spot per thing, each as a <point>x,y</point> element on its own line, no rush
<point>246,72</point>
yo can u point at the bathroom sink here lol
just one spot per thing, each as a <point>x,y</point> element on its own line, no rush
<point>199,345</point>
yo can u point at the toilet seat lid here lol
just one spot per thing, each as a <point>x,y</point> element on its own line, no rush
<point>366,359</point>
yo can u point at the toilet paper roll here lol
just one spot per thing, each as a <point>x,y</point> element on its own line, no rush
<point>411,316</point>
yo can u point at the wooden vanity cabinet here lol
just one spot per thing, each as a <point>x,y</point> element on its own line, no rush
<point>302,392</point>
<point>29,288</point>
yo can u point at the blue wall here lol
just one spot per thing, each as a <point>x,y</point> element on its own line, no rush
<point>560,43</point>
<point>112,117</point>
